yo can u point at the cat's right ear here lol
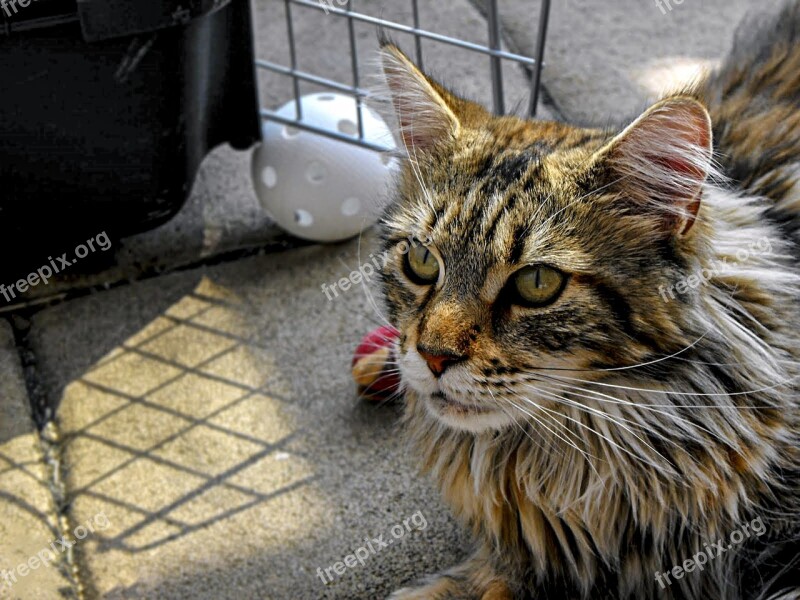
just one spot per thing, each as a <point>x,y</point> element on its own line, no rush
<point>426,112</point>
<point>661,161</point>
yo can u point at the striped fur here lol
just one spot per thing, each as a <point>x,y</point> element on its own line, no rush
<point>613,434</point>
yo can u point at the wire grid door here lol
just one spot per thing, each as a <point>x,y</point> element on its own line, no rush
<point>345,9</point>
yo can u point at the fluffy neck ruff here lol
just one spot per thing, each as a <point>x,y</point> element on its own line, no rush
<point>645,465</point>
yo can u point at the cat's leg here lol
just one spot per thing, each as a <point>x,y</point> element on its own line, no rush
<point>474,579</point>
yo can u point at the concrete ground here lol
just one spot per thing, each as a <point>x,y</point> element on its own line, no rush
<point>206,440</point>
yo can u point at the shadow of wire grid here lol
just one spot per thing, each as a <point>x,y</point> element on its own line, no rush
<point>336,63</point>
<point>211,417</point>
<point>190,446</point>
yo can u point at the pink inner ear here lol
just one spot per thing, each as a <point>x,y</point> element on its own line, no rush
<point>694,134</point>
<point>692,206</point>
<point>683,167</point>
<point>423,121</point>
<point>423,114</point>
<point>691,214</point>
<point>416,133</point>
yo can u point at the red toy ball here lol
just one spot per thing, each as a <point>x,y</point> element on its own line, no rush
<point>373,367</point>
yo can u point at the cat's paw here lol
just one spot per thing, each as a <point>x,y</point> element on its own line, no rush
<point>474,579</point>
<point>430,592</point>
<point>408,593</point>
<point>445,588</point>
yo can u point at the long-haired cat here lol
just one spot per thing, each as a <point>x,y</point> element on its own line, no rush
<point>599,346</point>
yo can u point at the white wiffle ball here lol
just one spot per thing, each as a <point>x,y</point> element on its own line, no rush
<point>316,187</point>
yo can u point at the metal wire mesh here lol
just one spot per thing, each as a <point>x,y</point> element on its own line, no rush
<point>493,50</point>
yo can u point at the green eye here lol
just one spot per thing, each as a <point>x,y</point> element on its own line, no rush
<point>422,265</point>
<point>539,285</point>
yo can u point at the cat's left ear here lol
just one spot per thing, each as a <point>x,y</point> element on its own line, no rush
<point>661,161</point>
<point>426,111</point>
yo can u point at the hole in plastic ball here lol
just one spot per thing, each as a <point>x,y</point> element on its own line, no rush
<point>290,132</point>
<point>387,159</point>
<point>327,98</point>
<point>351,206</point>
<point>316,172</point>
<point>269,176</point>
<point>347,127</point>
<point>303,218</point>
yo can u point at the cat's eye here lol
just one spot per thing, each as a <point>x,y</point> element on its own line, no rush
<point>538,285</point>
<point>422,265</point>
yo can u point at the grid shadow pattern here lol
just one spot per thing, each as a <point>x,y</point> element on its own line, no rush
<point>185,429</point>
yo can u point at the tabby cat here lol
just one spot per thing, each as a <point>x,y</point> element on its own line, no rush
<point>599,346</point>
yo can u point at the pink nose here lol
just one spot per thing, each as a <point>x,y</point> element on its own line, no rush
<point>438,363</point>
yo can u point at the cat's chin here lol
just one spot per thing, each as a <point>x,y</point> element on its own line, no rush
<point>465,417</point>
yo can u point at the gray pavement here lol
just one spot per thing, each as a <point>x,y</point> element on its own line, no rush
<point>207,430</point>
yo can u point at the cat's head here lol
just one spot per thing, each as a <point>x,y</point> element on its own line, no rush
<point>538,249</point>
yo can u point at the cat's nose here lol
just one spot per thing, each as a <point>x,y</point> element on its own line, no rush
<point>438,360</point>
